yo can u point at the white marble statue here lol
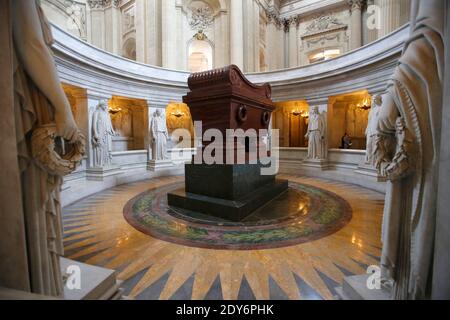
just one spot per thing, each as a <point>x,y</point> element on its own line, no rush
<point>316,135</point>
<point>37,113</point>
<point>371,130</point>
<point>407,154</point>
<point>102,133</point>
<point>159,136</point>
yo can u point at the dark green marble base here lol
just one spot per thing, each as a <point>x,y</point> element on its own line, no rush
<point>232,210</point>
<point>230,182</point>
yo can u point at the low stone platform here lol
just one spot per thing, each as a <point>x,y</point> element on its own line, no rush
<point>96,283</point>
<point>232,210</point>
<point>355,288</point>
<point>230,192</point>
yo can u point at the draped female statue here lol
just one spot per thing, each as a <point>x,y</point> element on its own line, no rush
<point>31,231</point>
<point>371,131</point>
<point>159,136</point>
<point>316,135</point>
<point>102,132</point>
<point>407,153</point>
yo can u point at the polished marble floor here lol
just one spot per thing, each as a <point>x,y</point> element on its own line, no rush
<point>96,232</point>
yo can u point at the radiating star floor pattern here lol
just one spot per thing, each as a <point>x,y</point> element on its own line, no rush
<point>97,233</point>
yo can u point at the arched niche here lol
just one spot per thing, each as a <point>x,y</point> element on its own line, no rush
<point>349,114</point>
<point>291,119</point>
<point>129,118</point>
<point>178,116</point>
<point>129,49</point>
<point>217,6</point>
<point>200,54</point>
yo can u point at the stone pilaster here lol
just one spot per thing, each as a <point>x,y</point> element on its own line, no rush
<point>113,27</point>
<point>148,32</point>
<point>236,33</point>
<point>356,23</point>
<point>169,34</point>
<point>292,26</point>
<point>390,16</point>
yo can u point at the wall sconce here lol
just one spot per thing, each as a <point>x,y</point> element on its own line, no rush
<point>303,114</point>
<point>365,105</point>
<point>114,110</point>
<point>178,114</point>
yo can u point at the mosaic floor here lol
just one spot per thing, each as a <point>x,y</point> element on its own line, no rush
<point>302,214</point>
<point>324,231</point>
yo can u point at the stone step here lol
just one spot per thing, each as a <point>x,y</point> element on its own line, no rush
<point>96,283</point>
<point>355,288</point>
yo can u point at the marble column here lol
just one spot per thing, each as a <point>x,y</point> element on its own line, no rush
<point>356,23</point>
<point>405,11</point>
<point>271,45</point>
<point>390,16</point>
<point>169,34</point>
<point>293,46</point>
<point>372,30</point>
<point>148,32</point>
<point>221,37</point>
<point>113,29</point>
<point>256,37</point>
<point>281,43</point>
<point>236,33</point>
<point>249,36</point>
<point>97,31</point>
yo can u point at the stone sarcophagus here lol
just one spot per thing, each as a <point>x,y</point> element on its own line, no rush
<point>226,178</point>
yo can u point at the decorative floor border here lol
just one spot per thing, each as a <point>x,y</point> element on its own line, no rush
<point>149,213</point>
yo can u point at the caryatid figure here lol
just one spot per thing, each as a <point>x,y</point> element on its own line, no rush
<point>371,131</point>
<point>316,135</point>
<point>159,136</point>
<point>102,131</point>
<point>36,115</point>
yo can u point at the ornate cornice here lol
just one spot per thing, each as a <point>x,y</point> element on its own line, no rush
<point>274,17</point>
<point>101,4</point>
<point>294,21</point>
<point>324,23</point>
<point>356,4</point>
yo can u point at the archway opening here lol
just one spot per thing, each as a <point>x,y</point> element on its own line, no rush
<point>200,56</point>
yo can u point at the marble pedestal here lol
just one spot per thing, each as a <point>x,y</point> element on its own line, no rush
<point>321,164</point>
<point>158,165</point>
<point>96,283</point>
<point>99,174</point>
<point>231,192</point>
<point>355,288</point>
<point>371,171</point>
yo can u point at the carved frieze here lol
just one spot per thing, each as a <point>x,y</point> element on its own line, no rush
<point>201,17</point>
<point>324,23</point>
<point>75,14</point>
<point>100,4</point>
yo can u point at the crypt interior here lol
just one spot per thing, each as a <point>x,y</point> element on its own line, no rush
<point>344,93</point>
